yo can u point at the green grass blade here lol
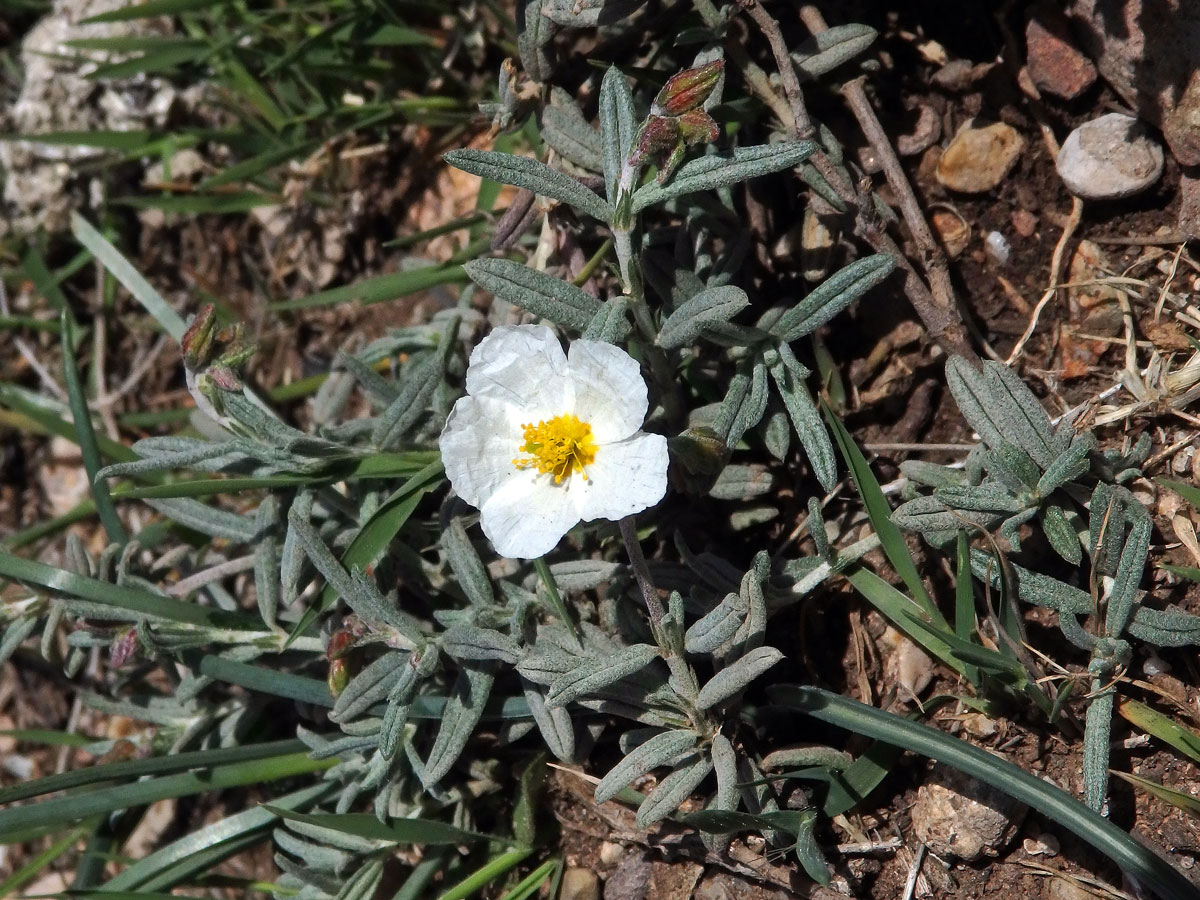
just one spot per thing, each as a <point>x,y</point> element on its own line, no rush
<point>380,289</point>
<point>120,596</point>
<point>485,874</point>
<point>880,514</point>
<point>26,404</point>
<point>1189,803</point>
<point>86,438</point>
<point>901,610</point>
<point>397,831</point>
<point>1052,802</point>
<point>81,805</point>
<point>203,849</point>
<point>376,534</point>
<point>221,203</point>
<point>37,865</point>
<point>139,768</point>
<point>1154,723</point>
<point>125,273</point>
<point>1188,492</point>
<point>26,536</point>
<point>150,8</point>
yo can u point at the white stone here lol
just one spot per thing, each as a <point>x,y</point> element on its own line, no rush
<point>1109,158</point>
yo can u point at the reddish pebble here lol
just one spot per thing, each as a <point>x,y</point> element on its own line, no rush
<point>1055,65</point>
<point>1024,222</point>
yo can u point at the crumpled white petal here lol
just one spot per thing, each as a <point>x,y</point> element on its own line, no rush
<point>528,515</point>
<point>523,366</point>
<point>625,478</point>
<point>610,394</point>
<point>520,375</point>
<point>478,445</point>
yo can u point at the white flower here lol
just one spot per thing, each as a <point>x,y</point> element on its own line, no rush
<point>543,439</point>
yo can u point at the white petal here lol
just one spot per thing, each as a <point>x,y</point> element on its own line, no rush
<point>625,478</point>
<point>610,394</point>
<point>523,366</point>
<point>528,515</point>
<point>478,445</point>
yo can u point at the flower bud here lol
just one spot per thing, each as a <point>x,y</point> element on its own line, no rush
<point>687,90</point>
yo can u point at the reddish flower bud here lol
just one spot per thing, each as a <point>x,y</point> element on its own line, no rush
<point>687,90</point>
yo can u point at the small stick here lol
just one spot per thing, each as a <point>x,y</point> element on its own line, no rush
<point>1060,249</point>
<point>637,561</point>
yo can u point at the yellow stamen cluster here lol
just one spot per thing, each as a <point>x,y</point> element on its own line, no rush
<point>559,447</point>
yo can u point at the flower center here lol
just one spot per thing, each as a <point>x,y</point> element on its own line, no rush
<point>559,447</point>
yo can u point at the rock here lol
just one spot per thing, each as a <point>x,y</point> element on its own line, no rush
<point>1146,49</point>
<point>1109,158</point>
<point>1067,889</point>
<point>43,183</point>
<point>955,815</point>
<point>1024,222</point>
<point>630,881</point>
<point>1189,205</point>
<point>953,230</point>
<point>579,884</point>
<point>1055,64</point>
<point>927,130</point>
<point>979,157</point>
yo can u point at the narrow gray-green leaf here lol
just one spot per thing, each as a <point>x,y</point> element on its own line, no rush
<point>521,171</point>
<point>736,677</point>
<point>592,675</point>
<point>672,791</point>
<point>659,750</point>
<point>1129,572</point>
<point>466,565</point>
<point>463,711</point>
<point>207,519</point>
<point>723,169</point>
<point>833,47</point>
<point>611,323</point>
<point>716,627</point>
<point>553,722</point>
<point>475,643</point>
<point>565,129</point>
<point>541,294</point>
<point>807,422</point>
<point>711,306</point>
<point>833,295</point>
<point>618,123</point>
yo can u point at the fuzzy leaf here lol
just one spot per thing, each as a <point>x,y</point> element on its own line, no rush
<point>523,172</point>
<point>1032,587</point>
<point>1070,464</point>
<point>553,722</point>
<point>742,483</point>
<point>718,626</point>
<point>1165,627</point>
<point>723,169</point>
<point>712,306</point>
<point>473,642</point>
<point>659,750</point>
<point>618,124</point>
<point>672,791</point>
<point>833,47</point>
<point>833,295</point>
<point>1129,572</point>
<point>611,323</point>
<point>737,676</point>
<point>590,13</point>
<point>207,519</point>
<point>566,130</point>
<point>930,516</point>
<point>541,294</point>
<point>535,36</point>
<point>991,498</point>
<point>463,711</point>
<point>1061,534</point>
<point>467,566</point>
<point>807,422</point>
<point>592,675</point>
<point>369,686</point>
